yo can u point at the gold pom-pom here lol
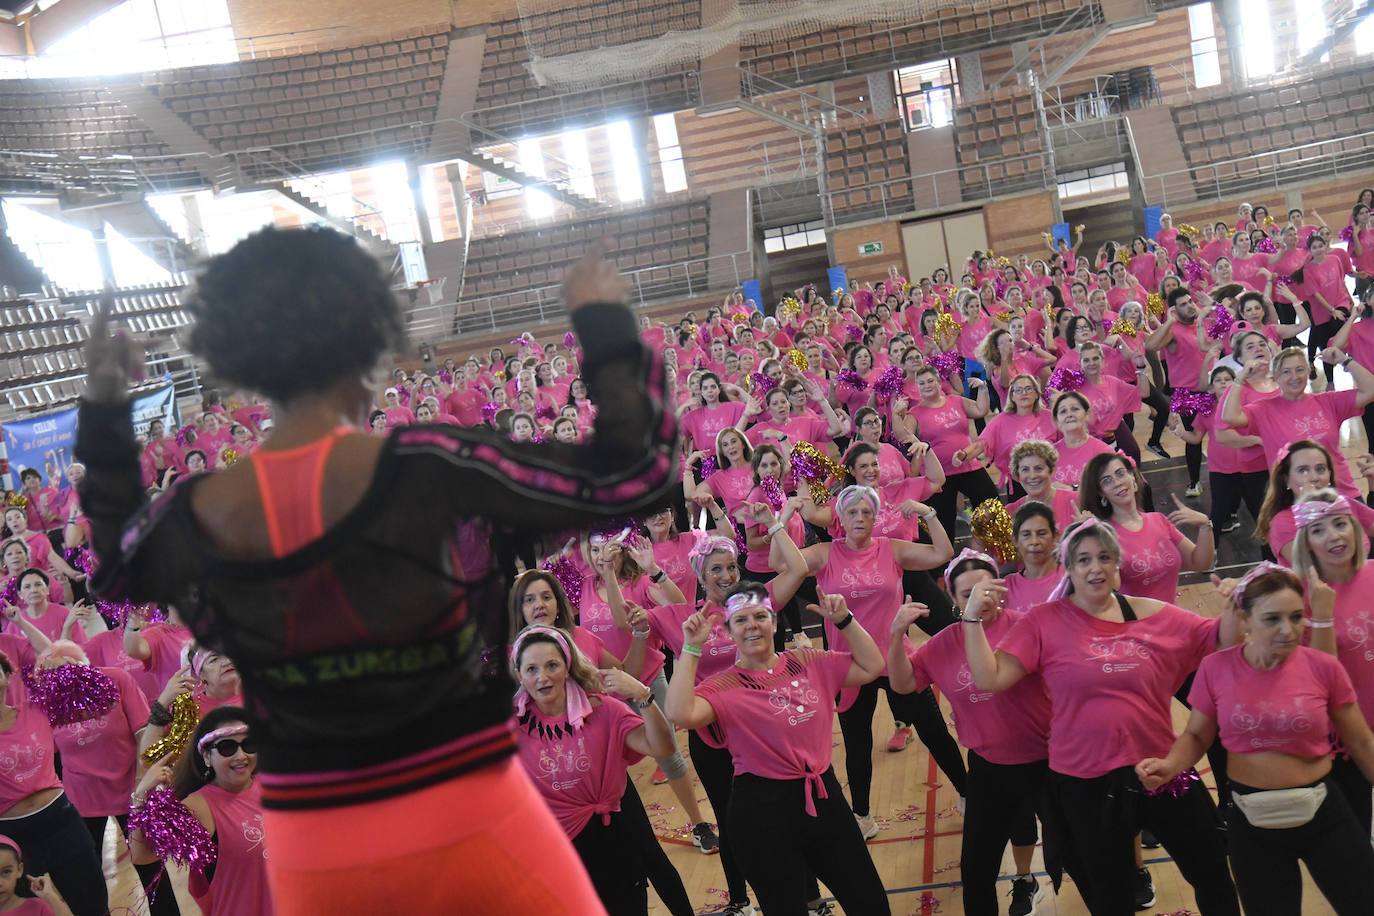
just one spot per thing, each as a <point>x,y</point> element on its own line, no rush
<point>1004,316</point>
<point>945,324</point>
<point>1004,261</point>
<point>820,494</point>
<point>908,287</point>
<point>229,456</point>
<point>992,526</point>
<point>693,329</point>
<point>185,718</point>
<point>791,308</point>
<point>990,254</point>
<point>1268,221</point>
<point>1154,304</point>
<point>1078,230</point>
<point>1187,229</point>
<point>832,468</point>
<point>500,375</point>
<point>1123,255</point>
<point>1125,328</point>
<point>798,359</point>
<point>836,293</point>
<point>19,500</point>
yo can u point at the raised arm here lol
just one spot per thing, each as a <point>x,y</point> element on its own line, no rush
<point>867,658</point>
<point>911,555</point>
<point>995,671</point>
<point>682,705</point>
<point>899,671</point>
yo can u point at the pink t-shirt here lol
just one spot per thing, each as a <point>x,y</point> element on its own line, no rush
<point>165,643</point>
<point>731,486</point>
<point>1007,430</point>
<point>1024,594</point>
<point>1072,459</point>
<point>893,466</point>
<point>1110,684</point>
<point>26,750</point>
<point>1280,422</point>
<point>589,644</point>
<point>50,624</point>
<point>946,430</point>
<point>1327,278</point>
<point>671,557</point>
<point>1063,502</point>
<point>1008,728</point>
<point>106,650</point>
<point>1283,529</point>
<point>1355,635</point>
<point>779,723</point>
<point>870,581</point>
<point>757,560</point>
<point>465,405</point>
<point>796,429</point>
<point>1111,400</point>
<point>701,425</point>
<point>1223,459</point>
<point>595,614</point>
<point>98,755</point>
<point>889,523</point>
<point>1286,708</point>
<point>1361,343</point>
<point>1183,356</point>
<point>240,882</point>
<point>579,773</point>
<point>32,907</point>
<point>1150,561</point>
<point>971,335</point>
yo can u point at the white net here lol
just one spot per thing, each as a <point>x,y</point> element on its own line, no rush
<point>624,40</point>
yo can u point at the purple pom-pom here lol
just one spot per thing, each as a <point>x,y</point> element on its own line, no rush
<point>172,830</point>
<point>806,467</point>
<point>71,693</point>
<point>546,413</point>
<point>1282,280</point>
<point>1195,272</point>
<point>889,384</point>
<point>705,336</point>
<point>741,542</point>
<point>186,437</point>
<point>709,466</point>
<point>772,492</point>
<point>1065,379</point>
<point>1346,235</point>
<point>118,611</point>
<point>999,286</point>
<point>853,332</point>
<point>569,340</point>
<point>763,384</point>
<point>851,378</point>
<point>1221,324</point>
<point>565,571</point>
<point>1188,403</point>
<point>446,376</point>
<point>1266,245</point>
<point>403,395</point>
<point>80,558</point>
<point>10,594</point>
<point>948,363</point>
<point>1178,786</point>
<point>489,411</point>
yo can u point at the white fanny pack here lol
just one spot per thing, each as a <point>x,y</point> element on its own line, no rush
<point>1279,809</point>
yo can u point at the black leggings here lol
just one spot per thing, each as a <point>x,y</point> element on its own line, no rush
<point>1332,845</point>
<point>1124,441</point>
<point>1229,489</point>
<point>919,710</point>
<point>1101,817</point>
<point>1348,778</point>
<point>1160,404</point>
<point>56,843</point>
<point>779,842</point>
<point>921,586</point>
<point>162,900</point>
<point>615,856</point>
<point>975,484</point>
<point>1002,804</point>
<point>1192,451</point>
<point>716,769</point>
<point>1318,338</point>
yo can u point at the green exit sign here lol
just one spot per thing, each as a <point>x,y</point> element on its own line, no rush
<point>870,248</point>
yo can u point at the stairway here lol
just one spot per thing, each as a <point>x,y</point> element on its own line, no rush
<point>16,270</point>
<point>511,171</point>
<point>374,243</point>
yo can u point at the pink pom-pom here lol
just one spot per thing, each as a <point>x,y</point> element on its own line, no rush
<point>851,378</point>
<point>999,286</point>
<point>173,831</point>
<point>10,595</point>
<point>1178,786</point>
<point>1345,235</point>
<point>853,332</point>
<point>186,437</point>
<point>705,336</point>
<point>403,394</point>
<point>763,384</point>
<point>569,340</point>
<point>118,611</point>
<point>1266,245</point>
<point>71,693</point>
<point>545,412</point>
<point>566,572</point>
<point>1282,280</point>
<point>82,559</point>
<point>1195,272</point>
<point>806,467</point>
<point>1065,379</point>
<point>889,384</point>
<point>446,376</point>
<point>1188,403</point>
<point>1221,324</point>
<point>709,466</point>
<point>489,412</point>
<point>948,363</point>
<point>772,492</point>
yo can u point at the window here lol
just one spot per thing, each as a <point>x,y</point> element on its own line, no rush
<point>1096,180</point>
<point>579,163</point>
<point>1258,40</point>
<point>927,94</point>
<point>538,203</point>
<point>1364,36</point>
<point>670,153</point>
<point>797,235</point>
<point>629,177</point>
<point>1312,28</point>
<point>139,35</point>
<point>1206,64</point>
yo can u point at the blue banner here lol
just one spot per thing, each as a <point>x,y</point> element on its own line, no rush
<point>753,293</point>
<point>1060,232</point>
<point>46,442</point>
<point>1152,215</point>
<point>835,279</point>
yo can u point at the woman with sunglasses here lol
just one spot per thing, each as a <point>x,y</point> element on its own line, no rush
<point>215,780</point>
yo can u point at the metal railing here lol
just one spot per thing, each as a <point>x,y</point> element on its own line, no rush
<point>801,105</point>
<point>1082,17</point>
<point>530,307</point>
<point>1271,170</point>
<point>943,188</point>
<point>552,113</point>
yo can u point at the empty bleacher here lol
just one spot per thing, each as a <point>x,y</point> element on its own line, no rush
<point>328,109</point>
<point>998,143</point>
<point>648,240</point>
<point>864,167</point>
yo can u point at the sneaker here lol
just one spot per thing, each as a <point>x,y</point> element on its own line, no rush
<point>1231,524</point>
<point>1158,448</point>
<point>1148,840</point>
<point>1194,490</point>
<point>867,825</point>
<point>659,777</point>
<point>903,736</point>
<point>1144,890</point>
<point>1025,894</point>
<point>737,909</point>
<point>820,909</point>
<point>705,839</point>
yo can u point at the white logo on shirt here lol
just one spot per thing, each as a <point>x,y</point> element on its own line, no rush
<point>1313,426</point>
<point>1118,653</point>
<point>252,833</point>
<point>22,763</point>
<point>1358,631</point>
<point>1292,721</point>
<point>792,700</point>
<point>964,679</point>
<point>88,731</point>
<point>563,766</point>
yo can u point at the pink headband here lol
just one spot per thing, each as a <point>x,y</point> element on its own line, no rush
<point>1263,568</point>
<point>578,706</point>
<point>857,491</point>
<point>1092,522</point>
<point>227,731</point>
<point>6,841</point>
<point>743,600</point>
<point>198,659</point>
<point>966,554</point>
<point>1314,510</point>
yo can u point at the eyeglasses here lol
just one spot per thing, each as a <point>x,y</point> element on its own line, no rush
<point>871,422</point>
<point>228,747</point>
<point>1120,474</point>
<point>1023,389</point>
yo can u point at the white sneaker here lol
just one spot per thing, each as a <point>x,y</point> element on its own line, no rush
<point>867,826</point>
<point>962,805</point>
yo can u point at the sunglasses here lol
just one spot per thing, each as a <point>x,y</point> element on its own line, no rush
<point>228,747</point>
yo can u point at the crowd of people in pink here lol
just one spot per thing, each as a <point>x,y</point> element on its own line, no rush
<point>794,545</point>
